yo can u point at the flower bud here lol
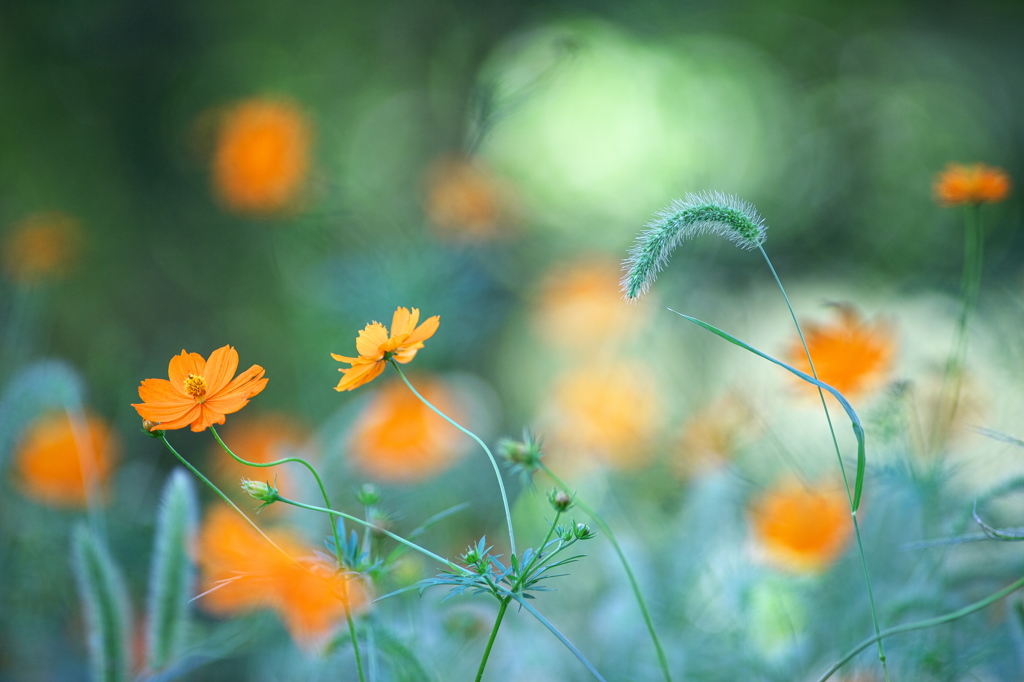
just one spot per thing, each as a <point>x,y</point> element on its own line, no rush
<point>151,429</point>
<point>582,531</point>
<point>257,490</point>
<point>560,500</point>
<point>368,495</point>
<point>523,455</point>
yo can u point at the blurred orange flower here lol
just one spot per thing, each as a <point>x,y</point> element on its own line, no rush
<point>199,393</point>
<point>398,438</point>
<point>713,434</point>
<point>973,184</point>
<point>802,530</point>
<point>375,347</point>
<point>40,246</point>
<point>241,572</point>
<point>261,157</point>
<point>262,438</point>
<point>52,459</point>
<point>462,198</point>
<point>604,413</point>
<point>580,305</point>
<point>850,355</point>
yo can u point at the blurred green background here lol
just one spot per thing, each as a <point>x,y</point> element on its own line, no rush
<point>465,158</point>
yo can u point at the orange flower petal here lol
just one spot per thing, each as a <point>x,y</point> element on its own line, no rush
<point>407,353</point>
<point>170,419</point>
<point>183,365</point>
<point>424,331</point>
<point>370,339</point>
<point>404,321</point>
<point>221,366</point>
<point>358,375</point>
<point>161,391</point>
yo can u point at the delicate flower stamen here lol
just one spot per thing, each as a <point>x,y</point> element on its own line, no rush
<point>195,386</point>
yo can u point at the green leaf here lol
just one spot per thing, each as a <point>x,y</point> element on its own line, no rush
<point>105,602</point>
<point>170,582</point>
<point>858,428</point>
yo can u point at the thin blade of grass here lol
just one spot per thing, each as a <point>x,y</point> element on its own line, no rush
<point>858,428</point>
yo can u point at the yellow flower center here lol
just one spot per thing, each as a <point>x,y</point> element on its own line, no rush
<point>195,386</point>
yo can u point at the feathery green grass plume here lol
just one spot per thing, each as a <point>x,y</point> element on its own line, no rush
<point>105,601</point>
<point>705,213</point>
<point>170,582</point>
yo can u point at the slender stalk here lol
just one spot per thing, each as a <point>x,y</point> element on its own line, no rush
<point>397,538</point>
<point>970,284</point>
<point>355,640</point>
<point>922,624</point>
<point>262,465</point>
<point>839,456</point>
<point>525,603</point>
<point>221,494</point>
<point>494,463</point>
<point>494,635</point>
<point>525,570</point>
<point>662,660</point>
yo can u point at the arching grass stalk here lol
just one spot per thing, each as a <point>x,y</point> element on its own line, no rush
<point>922,624</point>
<point>839,456</point>
<point>334,529</point>
<point>970,284</point>
<point>634,585</point>
<point>739,222</point>
<point>490,456</point>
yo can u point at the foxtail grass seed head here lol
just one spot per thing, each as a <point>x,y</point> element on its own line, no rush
<point>704,213</point>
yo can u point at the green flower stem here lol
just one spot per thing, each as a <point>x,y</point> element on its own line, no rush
<point>220,493</point>
<point>397,538</point>
<point>204,479</point>
<point>494,463</point>
<point>970,284</point>
<point>494,634</point>
<point>922,624</point>
<point>259,465</point>
<point>662,660</point>
<point>525,570</point>
<point>842,468</point>
<point>355,641</point>
<point>525,603</point>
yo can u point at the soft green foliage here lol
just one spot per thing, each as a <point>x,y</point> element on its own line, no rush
<point>170,583</point>
<point>105,601</point>
<point>39,387</point>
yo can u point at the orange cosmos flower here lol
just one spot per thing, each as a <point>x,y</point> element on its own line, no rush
<point>241,572</point>
<point>604,413</point>
<point>462,198</point>
<point>974,184</point>
<point>802,530</point>
<point>375,347</point>
<point>398,438</point>
<point>261,157</point>
<point>199,393</point>
<point>850,355</point>
<point>40,246</point>
<point>53,460</point>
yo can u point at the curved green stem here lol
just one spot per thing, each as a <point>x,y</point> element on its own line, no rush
<point>220,492</point>
<point>494,635</point>
<point>921,624</point>
<point>525,570</point>
<point>494,462</point>
<point>261,465</point>
<point>397,538</point>
<point>355,641</point>
<point>839,456</point>
<point>662,659</point>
